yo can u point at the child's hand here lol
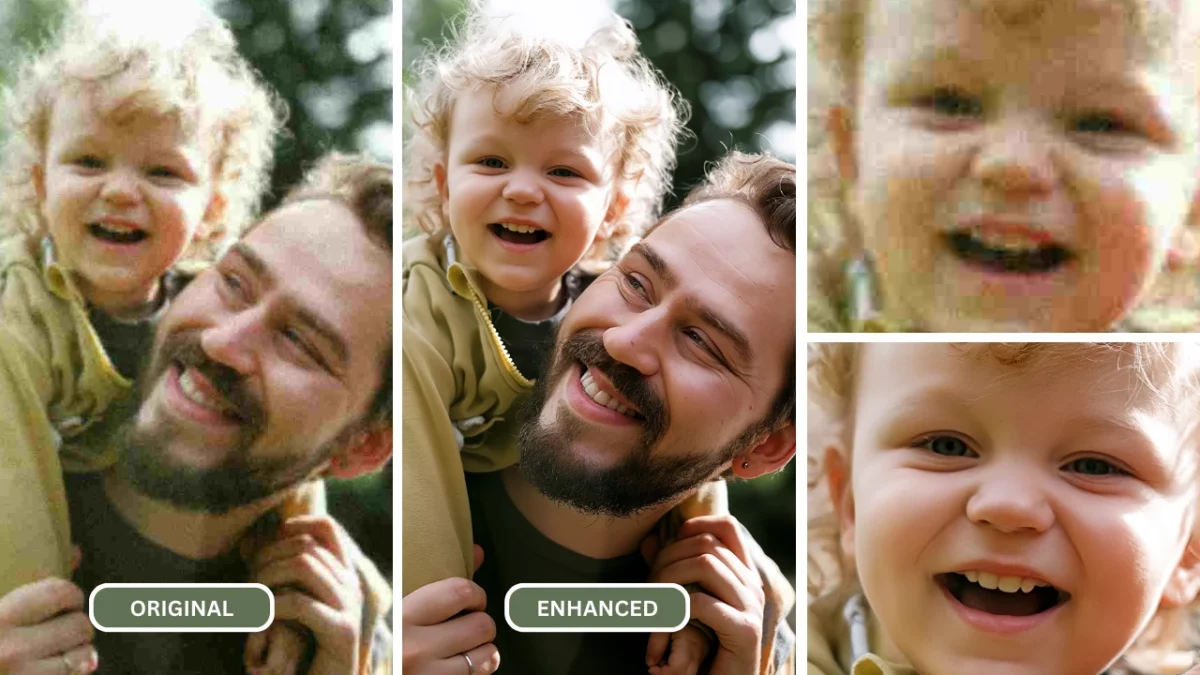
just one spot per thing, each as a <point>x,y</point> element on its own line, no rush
<point>278,650</point>
<point>688,649</point>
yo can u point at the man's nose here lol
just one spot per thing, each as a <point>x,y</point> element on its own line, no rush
<point>523,188</point>
<point>637,341</point>
<point>234,340</point>
<point>1015,160</point>
<point>1010,499</point>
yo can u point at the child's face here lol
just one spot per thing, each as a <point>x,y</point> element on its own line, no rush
<point>550,179</point>
<point>1020,175</point>
<point>122,198</point>
<point>963,465</point>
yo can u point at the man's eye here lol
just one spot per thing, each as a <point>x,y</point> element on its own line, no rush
<point>951,102</point>
<point>232,284</point>
<point>699,340</point>
<point>492,163</point>
<point>1094,466</point>
<point>635,285</point>
<point>947,446</point>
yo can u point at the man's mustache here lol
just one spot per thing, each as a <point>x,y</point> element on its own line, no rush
<point>184,348</point>
<point>588,347</point>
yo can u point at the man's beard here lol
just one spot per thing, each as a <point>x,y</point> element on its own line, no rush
<point>240,479</point>
<point>639,481</point>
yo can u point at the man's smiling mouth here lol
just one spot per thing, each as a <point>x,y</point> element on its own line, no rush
<point>1005,596</point>
<point>594,392</point>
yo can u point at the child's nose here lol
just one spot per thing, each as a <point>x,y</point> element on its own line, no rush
<point>1014,160</point>
<point>1010,502</point>
<point>523,188</point>
<point>120,188</point>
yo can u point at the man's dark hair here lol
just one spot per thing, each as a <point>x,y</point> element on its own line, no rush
<point>365,187</point>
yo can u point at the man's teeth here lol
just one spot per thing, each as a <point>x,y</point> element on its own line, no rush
<point>520,229</point>
<point>193,393</point>
<point>601,397</point>
<point>1005,584</point>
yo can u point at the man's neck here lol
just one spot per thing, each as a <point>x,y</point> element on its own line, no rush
<point>198,536</point>
<point>599,537</point>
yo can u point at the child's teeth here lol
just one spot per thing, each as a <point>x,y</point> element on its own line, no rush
<point>1006,241</point>
<point>1006,584</point>
<point>521,229</point>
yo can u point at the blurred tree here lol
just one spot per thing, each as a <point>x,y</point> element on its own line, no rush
<point>331,60</point>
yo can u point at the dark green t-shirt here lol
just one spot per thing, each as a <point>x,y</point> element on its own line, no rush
<point>515,552</point>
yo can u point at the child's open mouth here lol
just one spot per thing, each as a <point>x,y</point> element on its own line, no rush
<point>116,234</point>
<point>1007,254</point>
<point>519,234</point>
<point>1006,596</point>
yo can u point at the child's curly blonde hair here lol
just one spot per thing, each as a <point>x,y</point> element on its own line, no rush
<point>185,67</point>
<point>606,83</point>
<point>1170,372</point>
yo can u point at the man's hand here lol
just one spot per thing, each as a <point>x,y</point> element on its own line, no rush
<point>710,552</point>
<point>315,582</point>
<point>43,629</point>
<point>445,620</point>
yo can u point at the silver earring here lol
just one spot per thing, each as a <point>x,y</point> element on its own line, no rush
<point>745,464</point>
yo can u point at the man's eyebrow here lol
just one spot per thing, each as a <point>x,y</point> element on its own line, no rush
<point>741,343</point>
<point>317,323</point>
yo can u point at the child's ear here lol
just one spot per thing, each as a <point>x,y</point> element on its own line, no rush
<point>769,455</point>
<point>214,214</point>
<point>365,452</point>
<point>840,125</point>
<point>38,174</point>
<point>1184,584</point>
<point>837,479</point>
<point>439,177</point>
<point>616,209</point>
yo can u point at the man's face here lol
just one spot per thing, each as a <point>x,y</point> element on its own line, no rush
<point>264,363</point>
<point>664,364</point>
<point>1076,482</point>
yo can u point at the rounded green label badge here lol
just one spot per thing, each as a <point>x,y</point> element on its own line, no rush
<point>181,608</point>
<point>597,608</point>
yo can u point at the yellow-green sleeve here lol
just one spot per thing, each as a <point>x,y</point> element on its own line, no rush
<point>32,495</point>
<point>437,516</point>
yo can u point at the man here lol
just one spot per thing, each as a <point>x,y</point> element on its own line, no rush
<point>262,376</point>
<point>693,332</point>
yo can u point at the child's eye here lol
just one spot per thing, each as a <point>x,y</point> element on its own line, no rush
<point>563,172</point>
<point>163,172</point>
<point>1093,466</point>
<point>492,163</point>
<point>88,162</point>
<point>947,446</point>
<point>951,102</point>
<point>1102,123</point>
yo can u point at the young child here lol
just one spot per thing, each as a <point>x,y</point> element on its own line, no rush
<point>532,164</point>
<point>137,144</point>
<point>1003,165</point>
<point>1003,508</point>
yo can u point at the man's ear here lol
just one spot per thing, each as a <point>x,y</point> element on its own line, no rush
<point>771,454</point>
<point>1184,583</point>
<point>837,480</point>
<point>840,125</point>
<point>443,188</point>
<point>616,209</point>
<point>38,175</point>
<point>366,452</point>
